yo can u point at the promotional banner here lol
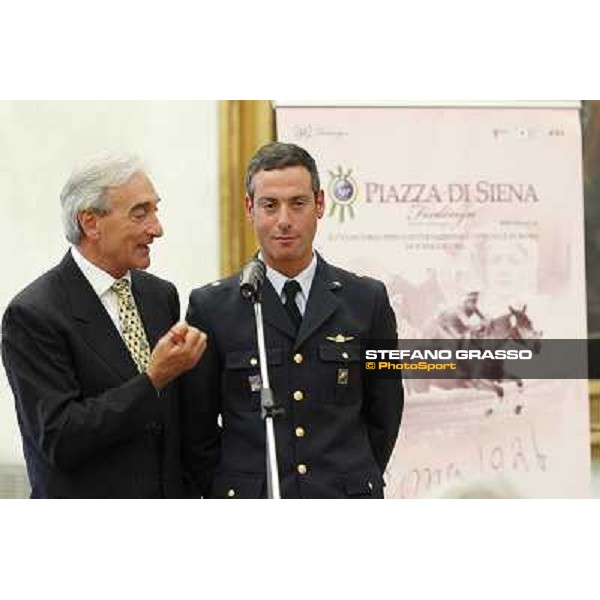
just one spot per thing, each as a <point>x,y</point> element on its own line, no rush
<point>473,218</point>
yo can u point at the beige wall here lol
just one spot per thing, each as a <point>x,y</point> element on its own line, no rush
<point>40,142</point>
<point>595,478</point>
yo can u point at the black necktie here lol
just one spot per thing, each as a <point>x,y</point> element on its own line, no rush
<point>290,289</point>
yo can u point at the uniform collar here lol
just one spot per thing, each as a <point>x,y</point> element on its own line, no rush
<point>304,278</point>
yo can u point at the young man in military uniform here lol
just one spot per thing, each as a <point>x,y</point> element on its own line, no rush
<point>337,433</point>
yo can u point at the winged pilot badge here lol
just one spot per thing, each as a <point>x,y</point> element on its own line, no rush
<point>339,338</point>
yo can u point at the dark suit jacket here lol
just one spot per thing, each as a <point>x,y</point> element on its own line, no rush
<point>92,426</point>
<point>337,425</point>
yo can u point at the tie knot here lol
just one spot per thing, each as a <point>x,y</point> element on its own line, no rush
<point>121,287</point>
<point>290,289</point>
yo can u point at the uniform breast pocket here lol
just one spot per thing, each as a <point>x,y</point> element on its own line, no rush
<point>242,379</point>
<point>341,365</point>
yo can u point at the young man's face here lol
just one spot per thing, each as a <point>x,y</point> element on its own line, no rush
<point>284,211</point>
<point>122,237</point>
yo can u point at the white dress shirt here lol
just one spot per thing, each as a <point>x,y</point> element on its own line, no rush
<point>101,282</point>
<point>304,278</point>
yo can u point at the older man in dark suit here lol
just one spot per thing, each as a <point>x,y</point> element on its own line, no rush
<point>93,347</point>
<point>338,432</point>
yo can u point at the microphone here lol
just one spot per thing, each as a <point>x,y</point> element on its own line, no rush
<point>251,279</point>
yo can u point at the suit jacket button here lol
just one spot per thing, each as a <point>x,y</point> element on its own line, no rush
<point>253,361</point>
<point>302,469</point>
<point>298,358</point>
<point>300,431</point>
<point>298,395</point>
<point>154,428</point>
<point>231,493</point>
<point>345,355</point>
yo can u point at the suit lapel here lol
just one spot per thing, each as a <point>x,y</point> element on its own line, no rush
<point>94,323</point>
<point>322,301</point>
<point>148,308</point>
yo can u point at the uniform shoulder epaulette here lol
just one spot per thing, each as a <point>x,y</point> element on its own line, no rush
<point>211,285</point>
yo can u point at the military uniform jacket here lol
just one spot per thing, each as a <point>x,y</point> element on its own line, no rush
<point>338,430</point>
<point>92,426</point>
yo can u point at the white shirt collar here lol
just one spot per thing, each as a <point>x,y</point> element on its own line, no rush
<point>99,279</point>
<point>304,278</point>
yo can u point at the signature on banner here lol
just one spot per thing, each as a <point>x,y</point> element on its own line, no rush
<point>519,453</point>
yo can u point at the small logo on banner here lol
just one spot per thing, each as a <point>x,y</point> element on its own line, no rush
<point>343,192</point>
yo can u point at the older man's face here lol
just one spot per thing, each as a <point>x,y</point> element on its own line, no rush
<point>124,234</point>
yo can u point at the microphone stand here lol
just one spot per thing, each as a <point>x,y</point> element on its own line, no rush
<point>267,400</point>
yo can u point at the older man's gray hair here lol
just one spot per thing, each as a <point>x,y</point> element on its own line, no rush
<point>87,186</point>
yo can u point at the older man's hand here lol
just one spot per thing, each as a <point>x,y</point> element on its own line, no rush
<point>175,353</point>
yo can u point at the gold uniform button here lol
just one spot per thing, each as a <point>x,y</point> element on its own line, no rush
<point>298,395</point>
<point>253,361</point>
<point>345,355</point>
<point>300,431</point>
<point>302,469</point>
<point>231,493</point>
<point>298,358</point>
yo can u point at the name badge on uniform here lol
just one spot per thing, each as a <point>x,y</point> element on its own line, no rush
<point>255,383</point>
<point>342,376</point>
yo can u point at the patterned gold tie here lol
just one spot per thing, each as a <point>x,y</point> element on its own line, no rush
<point>131,325</point>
